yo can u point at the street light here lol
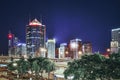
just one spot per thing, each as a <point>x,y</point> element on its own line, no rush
<point>14,64</point>
<point>108,50</point>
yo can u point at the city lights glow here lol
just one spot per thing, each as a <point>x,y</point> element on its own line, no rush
<point>108,50</point>
<point>43,50</point>
<point>14,64</point>
<point>80,52</point>
<point>74,45</point>
<point>34,24</point>
<point>66,52</point>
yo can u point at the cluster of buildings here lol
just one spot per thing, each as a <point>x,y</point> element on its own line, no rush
<point>74,49</point>
<point>37,45</point>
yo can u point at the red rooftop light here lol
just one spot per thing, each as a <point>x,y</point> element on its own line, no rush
<point>10,36</point>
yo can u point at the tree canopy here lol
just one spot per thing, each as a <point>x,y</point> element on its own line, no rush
<point>96,66</point>
<point>35,65</point>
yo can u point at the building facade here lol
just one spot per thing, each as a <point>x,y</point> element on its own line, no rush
<point>21,50</point>
<point>62,50</point>
<point>51,48</point>
<point>115,43</point>
<point>87,48</point>
<point>114,47</point>
<point>75,48</point>
<point>10,44</point>
<point>35,38</point>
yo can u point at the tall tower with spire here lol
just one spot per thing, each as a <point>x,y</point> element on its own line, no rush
<point>10,43</point>
<point>35,38</point>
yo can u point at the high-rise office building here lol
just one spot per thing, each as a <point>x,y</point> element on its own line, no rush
<point>87,48</point>
<point>116,35</point>
<point>114,47</point>
<point>10,43</point>
<point>35,38</point>
<point>115,43</point>
<point>21,50</point>
<point>76,48</point>
<point>51,48</point>
<point>62,50</point>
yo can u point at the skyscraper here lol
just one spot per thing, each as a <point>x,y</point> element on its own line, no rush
<point>114,47</point>
<point>51,48</point>
<point>87,48</point>
<point>62,50</point>
<point>21,49</point>
<point>35,37</point>
<point>10,43</point>
<point>76,48</point>
<point>116,35</point>
<point>115,43</point>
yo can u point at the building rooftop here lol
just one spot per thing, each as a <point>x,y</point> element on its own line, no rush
<point>116,29</point>
<point>35,22</point>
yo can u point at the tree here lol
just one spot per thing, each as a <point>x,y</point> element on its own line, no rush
<point>35,65</point>
<point>22,66</point>
<point>40,64</point>
<point>114,66</point>
<point>48,66</point>
<point>85,68</point>
<point>11,66</point>
<point>36,68</point>
<point>96,66</point>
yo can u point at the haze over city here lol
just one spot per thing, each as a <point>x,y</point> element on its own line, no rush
<point>89,20</point>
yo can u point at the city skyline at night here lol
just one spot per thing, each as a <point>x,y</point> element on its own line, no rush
<point>64,19</point>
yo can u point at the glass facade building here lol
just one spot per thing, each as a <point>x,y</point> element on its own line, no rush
<point>51,48</point>
<point>115,43</point>
<point>35,37</point>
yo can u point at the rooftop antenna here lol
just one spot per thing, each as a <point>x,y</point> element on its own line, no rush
<point>29,17</point>
<point>41,18</point>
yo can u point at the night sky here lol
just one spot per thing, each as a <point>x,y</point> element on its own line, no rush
<point>89,20</point>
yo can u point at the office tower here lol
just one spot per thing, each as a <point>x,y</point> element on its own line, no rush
<point>87,48</point>
<point>115,43</point>
<point>114,46</point>
<point>51,48</point>
<point>15,43</point>
<point>76,48</point>
<point>10,43</point>
<point>35,38</point>
<point>62,50</point>
<point>21,50</point>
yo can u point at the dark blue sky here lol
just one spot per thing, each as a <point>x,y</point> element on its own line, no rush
<point>89,20</point>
